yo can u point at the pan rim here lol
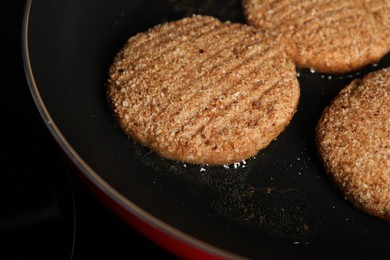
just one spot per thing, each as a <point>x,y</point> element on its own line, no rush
<point>93,177</point>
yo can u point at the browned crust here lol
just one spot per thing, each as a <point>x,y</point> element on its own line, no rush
<point>201,91</point>
<point>353,139</point>
<point>330,36</point>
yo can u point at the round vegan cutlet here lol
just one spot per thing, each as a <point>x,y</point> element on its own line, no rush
<point>201,91</point>
<point>330,36</point>
<point>353,138</point>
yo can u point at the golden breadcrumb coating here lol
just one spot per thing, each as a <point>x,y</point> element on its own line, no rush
<point>330,36</point>
<point>201,91</point>
<point>353,137</point>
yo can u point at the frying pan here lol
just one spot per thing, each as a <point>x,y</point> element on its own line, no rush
<point>279,204</point>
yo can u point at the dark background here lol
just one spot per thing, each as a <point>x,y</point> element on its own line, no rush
<point>46,212</point>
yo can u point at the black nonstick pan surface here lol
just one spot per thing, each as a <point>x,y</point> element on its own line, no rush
<point>278,205</point>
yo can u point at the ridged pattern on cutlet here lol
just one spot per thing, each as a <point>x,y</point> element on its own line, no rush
<point>202,91</point>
